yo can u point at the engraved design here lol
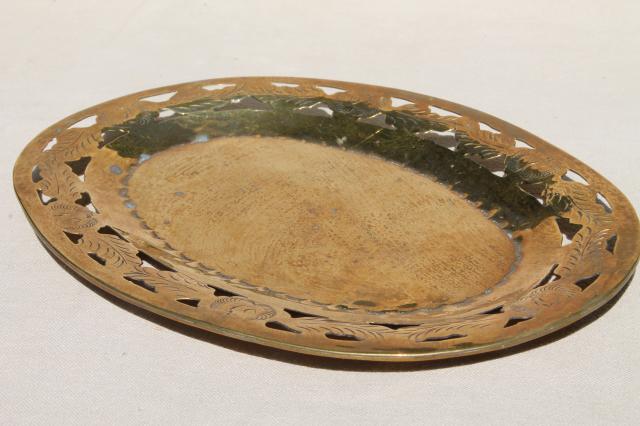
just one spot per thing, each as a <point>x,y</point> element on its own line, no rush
<point>244,308</point>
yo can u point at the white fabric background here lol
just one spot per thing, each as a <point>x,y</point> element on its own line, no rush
<point>567,71</point>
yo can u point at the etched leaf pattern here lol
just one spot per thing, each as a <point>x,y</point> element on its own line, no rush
<point>59,182</point>
<point>243,308</point>
<point>327,326</point>
<point>173,283</point>
<point>73,217</point>
<point>75,141</point>
<point>114,250</point>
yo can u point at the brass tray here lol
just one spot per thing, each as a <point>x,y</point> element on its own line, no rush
<point>329,218</point>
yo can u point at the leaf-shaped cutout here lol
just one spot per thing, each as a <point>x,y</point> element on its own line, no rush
<point>399,102</point>
<point>611,243</point>
<point>587,281</point>
<point>218,86</point>
<point>162,97</point>
<point>277,325</point>
<point>220,292</point>
<point>85,122</point>
<point>246,102</point>
<point>494,311</point>
<point>519,143</point>
<point>445,139</point>
<point>152,262</point>
<point>299,314</point>
<point>485,127</point>
<point>515,320</point>
<point>394,326</point>
<point>442,112</point>
<point>74,238</point>
<point>378,119</point>
<point>350,337</point>
<point>279,84</point>
<point>189,302</point>
<point>446,337</point>
<point>330,90</point>
<point>79,166</point>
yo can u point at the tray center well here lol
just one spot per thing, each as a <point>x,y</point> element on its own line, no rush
<point>320,223</point>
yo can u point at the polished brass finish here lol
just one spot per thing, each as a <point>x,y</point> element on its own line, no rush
<point>328,218</point>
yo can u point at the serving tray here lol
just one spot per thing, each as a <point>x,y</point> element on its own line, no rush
<point>329,218</point>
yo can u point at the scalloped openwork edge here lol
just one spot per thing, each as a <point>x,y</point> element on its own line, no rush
<point>594,265</point>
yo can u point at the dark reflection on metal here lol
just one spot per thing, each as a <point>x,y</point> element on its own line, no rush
<point>403,138</point>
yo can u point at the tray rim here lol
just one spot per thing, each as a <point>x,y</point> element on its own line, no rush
<point>594,304</point>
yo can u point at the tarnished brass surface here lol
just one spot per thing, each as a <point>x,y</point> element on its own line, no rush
<point>328,218</point>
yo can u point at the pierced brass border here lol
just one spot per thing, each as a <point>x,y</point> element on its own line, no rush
<point>586,273</point>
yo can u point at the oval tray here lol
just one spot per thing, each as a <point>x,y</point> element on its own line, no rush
<point>328,218</point>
